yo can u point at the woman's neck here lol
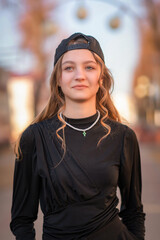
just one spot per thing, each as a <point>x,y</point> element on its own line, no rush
<point>79,110</point>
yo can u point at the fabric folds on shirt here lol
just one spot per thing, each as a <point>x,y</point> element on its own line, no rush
<point>78,196</point>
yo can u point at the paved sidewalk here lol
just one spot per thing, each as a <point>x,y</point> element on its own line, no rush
<point>150,155</point>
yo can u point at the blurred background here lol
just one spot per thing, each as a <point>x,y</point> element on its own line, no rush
<point>129,34</point>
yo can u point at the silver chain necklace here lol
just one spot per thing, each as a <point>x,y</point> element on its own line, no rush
<point>79,129</point>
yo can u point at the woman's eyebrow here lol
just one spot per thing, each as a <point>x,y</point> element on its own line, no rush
<point>72,62</point>
<point>68,62</point>
<point>90,61</point>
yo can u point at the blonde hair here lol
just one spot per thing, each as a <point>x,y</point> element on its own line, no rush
<point>56,102</point>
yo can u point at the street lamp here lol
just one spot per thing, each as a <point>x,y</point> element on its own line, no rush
<point>115,21</point>
<point>82,12</point>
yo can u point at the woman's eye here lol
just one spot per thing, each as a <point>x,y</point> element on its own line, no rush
<point>89,67</point>
<point>69,68</point>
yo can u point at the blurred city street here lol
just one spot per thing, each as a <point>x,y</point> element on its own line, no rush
<point>150,154</point>
<point>129,34</point>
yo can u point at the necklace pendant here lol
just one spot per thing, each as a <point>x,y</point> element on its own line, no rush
<point>84,133</point>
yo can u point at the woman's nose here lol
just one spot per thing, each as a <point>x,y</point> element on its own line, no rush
<point>79,73</point>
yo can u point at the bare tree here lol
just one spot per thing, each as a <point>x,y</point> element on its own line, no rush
<point>33,24</point>
<point>146,82</point>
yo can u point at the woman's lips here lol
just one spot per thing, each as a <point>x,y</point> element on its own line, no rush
<point>80,86</point>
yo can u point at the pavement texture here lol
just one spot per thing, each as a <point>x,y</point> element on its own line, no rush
<point>150,157</point>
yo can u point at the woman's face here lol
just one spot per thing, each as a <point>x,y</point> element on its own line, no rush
<point>80,76</point>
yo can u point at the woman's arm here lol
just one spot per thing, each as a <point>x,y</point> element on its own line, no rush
<point>130,186</point>
<point>25,198</point>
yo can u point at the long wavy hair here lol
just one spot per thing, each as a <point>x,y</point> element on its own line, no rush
<point>56,102</point>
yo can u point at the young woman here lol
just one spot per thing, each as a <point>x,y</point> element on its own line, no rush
<point>75,154</point>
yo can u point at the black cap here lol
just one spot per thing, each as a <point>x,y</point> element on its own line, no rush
<point>92,45</point>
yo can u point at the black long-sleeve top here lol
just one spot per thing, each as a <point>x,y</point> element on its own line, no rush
<point>79,195</point>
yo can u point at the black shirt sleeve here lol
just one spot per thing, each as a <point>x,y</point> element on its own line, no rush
<point>130,184</point>
<point>25,197</point>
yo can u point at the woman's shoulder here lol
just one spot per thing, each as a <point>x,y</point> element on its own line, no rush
<point>50,124</point>
<point>27,134</point>
<point>125,128</point>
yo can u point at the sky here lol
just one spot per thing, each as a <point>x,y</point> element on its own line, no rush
<point>120,46</point>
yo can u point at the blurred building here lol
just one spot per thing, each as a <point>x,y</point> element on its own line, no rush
<point>146,84</point>
<point>147,74</point>
<point>4,108</point>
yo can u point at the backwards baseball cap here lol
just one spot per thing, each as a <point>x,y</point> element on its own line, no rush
<point>91,44</point>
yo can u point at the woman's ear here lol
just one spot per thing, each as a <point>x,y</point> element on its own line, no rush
<point>101,81</point>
